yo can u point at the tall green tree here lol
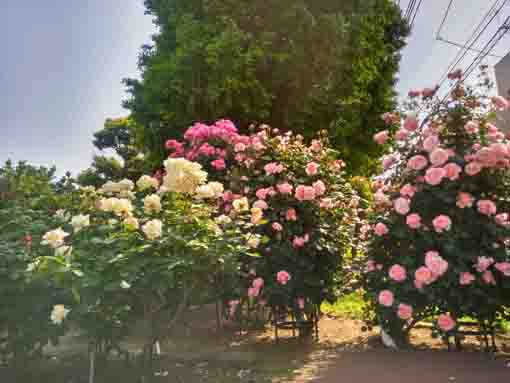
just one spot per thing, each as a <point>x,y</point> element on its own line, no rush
<point>304,65</point>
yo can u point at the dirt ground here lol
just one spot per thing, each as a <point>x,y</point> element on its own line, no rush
<point>198,353</point>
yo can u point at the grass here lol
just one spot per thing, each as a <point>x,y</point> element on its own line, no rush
<point>348,306</point>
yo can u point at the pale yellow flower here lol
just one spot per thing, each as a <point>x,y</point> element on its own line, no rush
<point>256,215</point>
<point>54,238</point>
<point>153,229</point>
<point>122,206</point>
<point>183,176</point>
<point>131,223</point>
<point>152,204</point>
<point>58,314</point>
<point>241,204</point>
<point>79,222</point>
<point>147,182</point>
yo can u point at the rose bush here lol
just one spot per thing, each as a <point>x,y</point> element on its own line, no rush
<point>302,212</point>
<point>439,244</point>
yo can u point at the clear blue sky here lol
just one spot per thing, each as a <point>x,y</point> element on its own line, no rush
<point>63,61</point>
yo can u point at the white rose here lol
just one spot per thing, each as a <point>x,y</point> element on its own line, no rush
<point>58,314</point>
<point>183,176</point>
<point>147,182</point>
<point>54,238</point>
<point>122,206</point>
<point>131,223</point>
<point>79,222</point>
<point>241,204</point>
<point>153,229</point>
<point>223,219</point>
<point>253,242</point>
<point>152,204</point>
<point>205,192</point>
<point>125,285</point>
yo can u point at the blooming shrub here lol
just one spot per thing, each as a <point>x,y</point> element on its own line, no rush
<point>140,251</point>
<point>300,208</point>
<point>439,245</point>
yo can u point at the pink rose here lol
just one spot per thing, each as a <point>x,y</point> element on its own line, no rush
<point>411,124</point>
<point>401,206</point>
<point>261,204</point>
<point>312,168</point>
<point>284,188</point>
<point>504,268</point>
<point>405,312</point>
<point>471,127</point>
<point>453,171</point>
<point>418,162</point>
<point>381,137</point>
<point>464,200</point>
<point>253,292</point>
<point>277,226</point>
<point>483,263</point>
<point>370,266</point>
<point>319,188</point>
<point>386,298</point>
<point>387,161</point>
<point>434,176</point>
<point>239,147</point>
<point>388,118</point>
<point>262,193</point>
<point>401,135</point>
<point>413,221</point>
<point>435,263</point>
<point>442,223</point>
<point>502,219</point>
<point>408,190</point>
<point>301,303</point>
<point>431,143</point>
<point>473,168</point>
<point>500,102</point>
<point>298,242</point>
<point>258,283</point>
<point>219,164</point>
<point>466,278</point>
<point>273,168</point>
<point>326,203</point>
<point>305,193</point>
<point>423,275</point>
<point>291,215</point>
<point>283,277</point>
<point>381,229</point>
<point>446,322</point>
<point>316,145</point>
<point>486,207</point>
<point>397,273</point>
<point>438,157</point>
<point>488,277</point>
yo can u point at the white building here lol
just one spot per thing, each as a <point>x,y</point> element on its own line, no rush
<point>502,70</point>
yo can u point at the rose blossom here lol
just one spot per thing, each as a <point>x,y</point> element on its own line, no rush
<point>504,268</point>
<point>397,273</point>
<point>386,298</point>
<point>473,168</point>
<point>219,164</point>
<point>446,322</point>
<point>261,204</point>
<point>488,277</point>
<point>483,263</point>
<point>486,207</point>
<point>273,168</point>
<point>312,168</point>
<point>291,215</point>
<point>502,219</point>
<point>401,206</point>
<point>283,277</point>
<point>253,292</point>
<point>452,171</point>
<point>417,162</point>
<point>381,137</point>
<point>435,263</point>
<point>408,190</point>
<point>500,102</point>
<point>401,135</point>
<point>464,200</point>
<point>411,123</point>
<point>284,188</point>
<point>431,143</point>
<point>434,176</point>
<point>423,275</point>
<point>262,193</point>
<point>413,221</point>
<point>319,188</point>
<point>316,145</point>
<point>405,311</point>
<point>381,229</point>
<point>370,266</point>
<point>326,203</point>
<point>438,157</point>
<point>442,223</point>
<point>471,127</point>
<point>387,161</point>
<point>305,193</point>
<point>466,278</point>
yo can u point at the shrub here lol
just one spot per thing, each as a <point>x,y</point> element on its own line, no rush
<point>439,240</point>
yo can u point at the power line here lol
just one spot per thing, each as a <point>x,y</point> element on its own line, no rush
<point>416,12</point>
<point>410,9</point>
<point>446,41</point>
<point>444,19</point>
<point>472,40</point>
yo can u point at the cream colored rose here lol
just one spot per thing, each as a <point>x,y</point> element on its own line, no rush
<point>152,204</point>
<point>147,182</point>
<point>79,222</point>
<point>131,223</point>
<point>223,220</point>
<point>122,206</point>
<point>209,190</point>
<point>117,187</point>
<point>58,314</point>
<point>241,204</point>
<point>253,242</point>
<point>54,238</point>
<point>256,215</point>
<point>153,229</point>
<point>183,176</point>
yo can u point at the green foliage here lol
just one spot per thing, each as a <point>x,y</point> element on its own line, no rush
<point>350,305</point>
<point>301,65</point>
